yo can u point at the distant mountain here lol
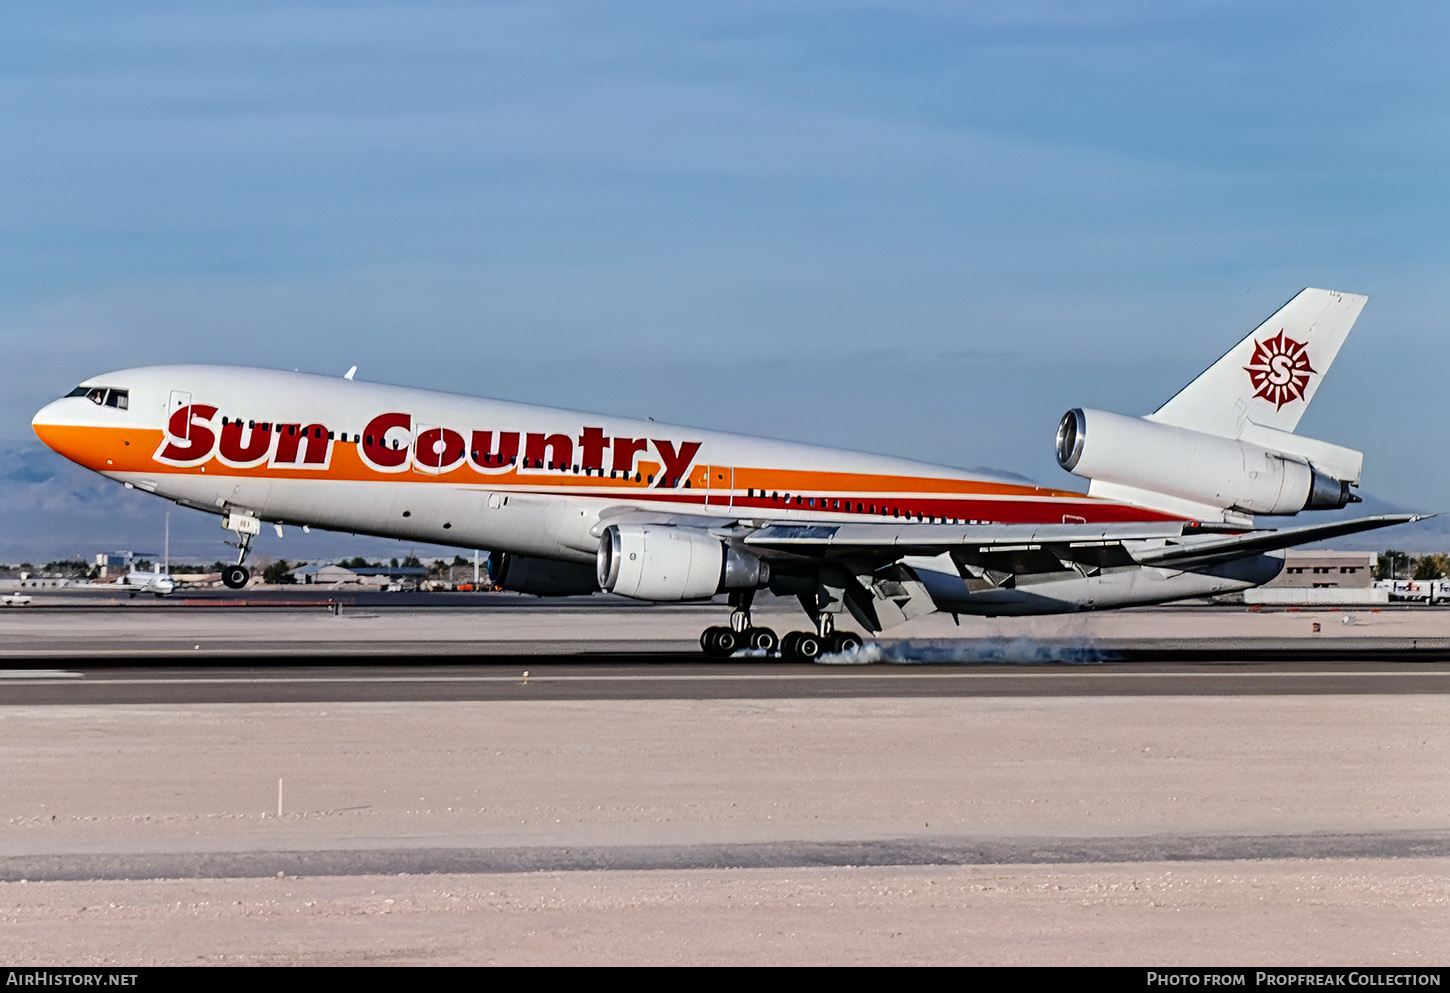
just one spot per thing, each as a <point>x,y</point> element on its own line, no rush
<point>1432,535</point>
<point>51,508</point>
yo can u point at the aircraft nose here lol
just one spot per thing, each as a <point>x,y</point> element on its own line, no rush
<point>45,417</point>
<point>58,426</point>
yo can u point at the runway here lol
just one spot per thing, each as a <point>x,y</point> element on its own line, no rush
<point>310,627</point>
<point>680,677</point>
<point>1205,848</point>
<point>291,793</point>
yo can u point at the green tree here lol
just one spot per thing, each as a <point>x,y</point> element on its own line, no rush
<point>1392,564</point>
<point>1431,566</point>
<point>66,567</point>
<point>278,573</point>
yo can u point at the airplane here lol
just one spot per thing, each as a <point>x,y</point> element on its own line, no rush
<point>154,581</point>
<point>158,582</point>
<point>570,503</point>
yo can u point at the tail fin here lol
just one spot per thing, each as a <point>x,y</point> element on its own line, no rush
<point>1268,378</point>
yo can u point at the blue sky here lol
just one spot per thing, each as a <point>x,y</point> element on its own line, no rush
<point>919,228</point>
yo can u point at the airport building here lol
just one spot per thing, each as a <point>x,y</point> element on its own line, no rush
<point>338,575</point>
<point>113,563</point>
<point>1324,577</point>
<point>1327,570</point>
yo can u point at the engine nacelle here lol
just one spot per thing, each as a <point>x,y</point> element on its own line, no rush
<point>1191,465</point>
<point>655,562</point>
<point>540,577</point>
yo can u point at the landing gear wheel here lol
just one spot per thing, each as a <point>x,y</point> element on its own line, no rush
<point>718,642</point>
<point>809,646</point>
<point>844,641</point>
<point>802,646</point>
<point>234,577</point>
<point>762,639</point>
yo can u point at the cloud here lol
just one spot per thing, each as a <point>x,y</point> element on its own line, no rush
<point>926,226</point>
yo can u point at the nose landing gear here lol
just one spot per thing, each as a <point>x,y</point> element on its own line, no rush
<point>247,527</point>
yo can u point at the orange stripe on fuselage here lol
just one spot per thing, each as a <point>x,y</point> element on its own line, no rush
<point>131,450</point>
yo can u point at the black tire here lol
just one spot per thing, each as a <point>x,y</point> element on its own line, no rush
<point>728,641</point>
<point>234,577</point>
<point>707,641</point>
<point>762,639</point>
<point>844,641</point>
<point>787,646</point>
<point>719,642</point>
<point>810,646</point>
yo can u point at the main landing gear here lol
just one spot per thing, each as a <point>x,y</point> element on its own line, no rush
<point>234,577</point>
<point>797,646</point>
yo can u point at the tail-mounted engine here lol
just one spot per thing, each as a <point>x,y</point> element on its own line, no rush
<point>655,562</point>
<point>1278,477</point>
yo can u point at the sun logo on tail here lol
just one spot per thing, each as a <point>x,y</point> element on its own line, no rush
<point>1280,369</point>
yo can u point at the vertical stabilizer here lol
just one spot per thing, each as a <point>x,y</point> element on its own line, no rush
<point>1268,378</point>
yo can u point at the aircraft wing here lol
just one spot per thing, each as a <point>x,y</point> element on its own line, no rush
<point>1014,548</point>
<point>1208,551</point>
<point>1027,547</point>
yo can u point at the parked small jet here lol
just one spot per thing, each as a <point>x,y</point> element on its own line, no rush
<point>154,581</point>
<point>570,503</point>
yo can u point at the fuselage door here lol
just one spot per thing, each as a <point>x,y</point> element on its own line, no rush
<point>179,399</point>
<point>720,486</point>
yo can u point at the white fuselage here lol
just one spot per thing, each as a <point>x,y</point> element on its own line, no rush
<point>463,471</point>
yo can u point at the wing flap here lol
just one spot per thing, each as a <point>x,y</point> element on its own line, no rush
<point>920,539</point>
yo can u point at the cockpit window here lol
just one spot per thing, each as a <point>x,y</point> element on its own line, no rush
<point>102,395</point>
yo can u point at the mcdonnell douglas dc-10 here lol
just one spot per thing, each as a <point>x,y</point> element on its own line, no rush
<point>570,503</point>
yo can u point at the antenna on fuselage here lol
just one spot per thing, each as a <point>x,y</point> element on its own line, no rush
<point>350,373</point>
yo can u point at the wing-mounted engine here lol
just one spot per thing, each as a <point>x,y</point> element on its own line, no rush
<point>663,563</point>
<point>540,577</point>
<point>1264,471</point>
